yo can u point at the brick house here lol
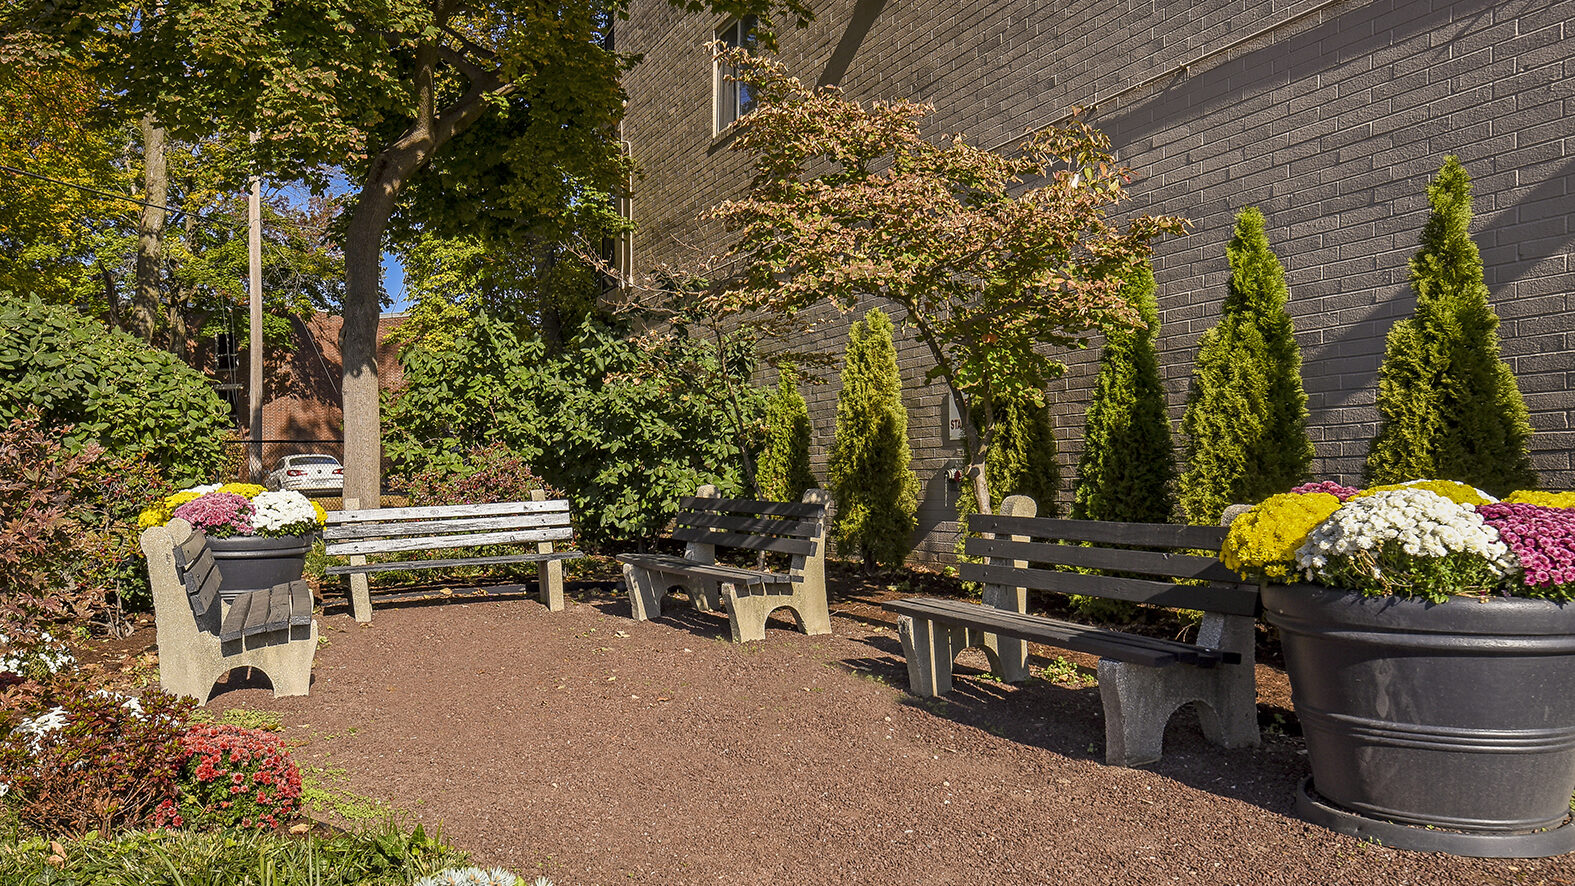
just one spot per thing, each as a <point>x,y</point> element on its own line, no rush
<point>1330,116</point>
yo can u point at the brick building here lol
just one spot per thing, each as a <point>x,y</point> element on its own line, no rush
<point>1330,116</point>
<point>302,400</point>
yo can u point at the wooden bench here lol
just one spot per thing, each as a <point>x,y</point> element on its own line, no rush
<point>270,629</point>
<point>355,533</point>
<point>706,522</point>
<point>1142,680</point>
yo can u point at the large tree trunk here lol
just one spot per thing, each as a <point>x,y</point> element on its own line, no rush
<point>142,320</point>
<point>363,303</point>
<point>393,167</point>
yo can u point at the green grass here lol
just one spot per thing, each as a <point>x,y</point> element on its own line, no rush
<point>384,854</point>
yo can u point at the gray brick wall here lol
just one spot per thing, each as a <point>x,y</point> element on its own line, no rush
<point>1331,124</point>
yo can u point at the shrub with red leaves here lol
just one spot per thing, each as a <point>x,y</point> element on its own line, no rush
<point>232,776</point>
<point>96,761</point>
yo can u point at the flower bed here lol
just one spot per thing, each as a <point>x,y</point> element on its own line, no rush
<point>238,509</point>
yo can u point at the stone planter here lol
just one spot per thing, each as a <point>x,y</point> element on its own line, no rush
<point>247,562</point>
<point>1446,728</point>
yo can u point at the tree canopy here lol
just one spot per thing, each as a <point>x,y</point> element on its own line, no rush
<point>990,257</point>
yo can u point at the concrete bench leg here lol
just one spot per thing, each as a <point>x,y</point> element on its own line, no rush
<point>929,648</point>
<point>1008,655</point>
<point>645,592</point>
<point>704,594</point>
<point>1140,700</point>
<point>749,609</point>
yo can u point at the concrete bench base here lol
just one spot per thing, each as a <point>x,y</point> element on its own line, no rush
<point>748,605</point>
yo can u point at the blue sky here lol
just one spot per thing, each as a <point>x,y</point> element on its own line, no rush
<point>394,283</point>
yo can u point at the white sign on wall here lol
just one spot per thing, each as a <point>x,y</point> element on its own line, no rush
<point>954,428</point>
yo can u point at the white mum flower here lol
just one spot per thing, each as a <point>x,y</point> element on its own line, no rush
<point>1424,523</point>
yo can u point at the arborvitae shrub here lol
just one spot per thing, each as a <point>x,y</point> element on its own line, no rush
<point>1448,406</point>
<point>870,469</point>
<point>1246,418</point>
<point>1128,463</point>
<point>783,472</point>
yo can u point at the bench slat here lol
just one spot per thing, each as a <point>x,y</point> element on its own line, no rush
<point>279,602</point>
<point>665,563</point>
<point>1147,562</point>
<point>1155,535</point>
<point>432,542</point>
<point>235,619</point>
<point>202,578</point>
<point>420,527</point>
<point>742,523</point>
<point>752,506</point>
<point>300,603</point>
<point>442,512</point>
<point>1227,600</point>
<point>257,611</point>
<point>1050,632</point>
<point>802,546</point>
<point>191,548</point>
<point>459,561</point>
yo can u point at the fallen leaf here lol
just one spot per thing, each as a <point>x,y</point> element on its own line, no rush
<point>300,829</point>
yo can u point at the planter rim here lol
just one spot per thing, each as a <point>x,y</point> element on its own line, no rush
<point>1288,606</point>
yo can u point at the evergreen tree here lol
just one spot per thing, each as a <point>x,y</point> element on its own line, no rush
<point>1246,418</point>
<point>870,471</point>
<point>1448,407</point>
<point>1128,463</point>
<point>784,465</point>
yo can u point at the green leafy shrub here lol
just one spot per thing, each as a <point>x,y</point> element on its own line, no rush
<point>870,469</point>
<point>488,473</point>
<point>108,388</point>
<point>233,777</point>
<point>96,761</point>
<point>623,427</point>
<point>784,473</point>
<point>1448,406</point>
<point>1246,418</point>
<point>1128,464</point>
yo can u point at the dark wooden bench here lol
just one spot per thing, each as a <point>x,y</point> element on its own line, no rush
<point>1142,680</point>
<point>200,640</point>
<point>706,522</point>
<point>355,533</point>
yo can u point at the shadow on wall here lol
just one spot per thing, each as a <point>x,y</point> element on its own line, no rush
<point>864,14</point>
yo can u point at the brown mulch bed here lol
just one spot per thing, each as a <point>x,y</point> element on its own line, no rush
<point>598,750</point>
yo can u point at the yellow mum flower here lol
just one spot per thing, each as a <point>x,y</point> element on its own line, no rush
<point>322,515</point>
<point>171,502</point>
<point>157,515</point>
<point>1459,493</point>
<point>1542,499</point>
<point>249,490</point>
<point>1264,540</point>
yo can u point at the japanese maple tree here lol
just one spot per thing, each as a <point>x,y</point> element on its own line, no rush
<point>992,257</point>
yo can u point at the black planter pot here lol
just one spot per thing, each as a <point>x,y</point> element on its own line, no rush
<point>247,562</point>
<point>1447,728</point>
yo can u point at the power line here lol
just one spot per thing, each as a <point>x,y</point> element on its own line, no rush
<point>175,213</point>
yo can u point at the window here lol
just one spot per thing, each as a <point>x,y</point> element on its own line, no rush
<point>733,99</point>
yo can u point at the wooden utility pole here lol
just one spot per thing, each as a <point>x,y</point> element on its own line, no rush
<point>255,344</point>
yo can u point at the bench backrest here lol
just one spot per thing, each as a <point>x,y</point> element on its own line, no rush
<point>795,528</point>
<point>197,572</point>
<point>1136,562</point>
<point>392,530</point>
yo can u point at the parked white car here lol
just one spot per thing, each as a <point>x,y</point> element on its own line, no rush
<point>307,473</point>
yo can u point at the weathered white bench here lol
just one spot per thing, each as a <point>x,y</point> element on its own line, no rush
<point>270,629</point>
<point>355,533</point>
<point>1142,680</point>
<point>706,522</point>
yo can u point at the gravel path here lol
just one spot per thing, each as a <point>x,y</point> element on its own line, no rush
<point>598,750</point>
